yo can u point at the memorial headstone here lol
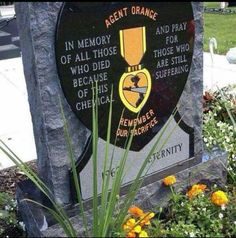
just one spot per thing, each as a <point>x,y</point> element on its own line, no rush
<point>146,57</point>
<point>150,53</point>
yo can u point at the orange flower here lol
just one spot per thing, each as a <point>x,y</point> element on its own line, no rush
<point>136,211</point>
<point>195,190</point>
<point>131,234</point>
<point>169,180</point>
<point>133,228</point>
<point>219,198</point>
<point>145,219</point>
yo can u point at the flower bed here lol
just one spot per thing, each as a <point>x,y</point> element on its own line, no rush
<point>197,212</point>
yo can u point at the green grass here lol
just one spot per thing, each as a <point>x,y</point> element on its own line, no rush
<point>216,5</point>
<point>212,4</point>
<point>220,26</point>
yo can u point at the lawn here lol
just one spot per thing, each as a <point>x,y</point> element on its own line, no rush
<point>222,27</point>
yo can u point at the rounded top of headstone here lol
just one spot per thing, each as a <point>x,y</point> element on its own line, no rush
<point>142,50</point>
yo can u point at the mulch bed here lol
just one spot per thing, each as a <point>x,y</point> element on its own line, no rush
<point>9,177</point>
<point>11,231</point>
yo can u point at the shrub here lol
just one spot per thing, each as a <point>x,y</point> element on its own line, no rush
<point>198,215</point>
<point>8,218</point>
<point>219,127</point>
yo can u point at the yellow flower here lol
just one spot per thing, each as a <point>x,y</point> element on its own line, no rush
<point>133,228</point>
<point>129,224</point>
<point>219,198</point>
<point>169,180</point>
<point>195,190</point>
<point>136,211</point>
<point>137,229</point>
<point>143,234</point>
<point>145,219</point>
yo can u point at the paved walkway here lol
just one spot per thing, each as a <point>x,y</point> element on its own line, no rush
<point>218,74</point>
<point>7,11</point>
<point>15,120</point>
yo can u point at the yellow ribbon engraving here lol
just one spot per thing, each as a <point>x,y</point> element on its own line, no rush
<point>135,84</point>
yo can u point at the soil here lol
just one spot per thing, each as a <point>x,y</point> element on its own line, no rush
<point>8,179</point>
<point>11,231</point>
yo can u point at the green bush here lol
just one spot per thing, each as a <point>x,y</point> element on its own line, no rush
<point>219,125</point>
<point>197,216</point>
<point>8,216</point>
<point>200,218</point>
